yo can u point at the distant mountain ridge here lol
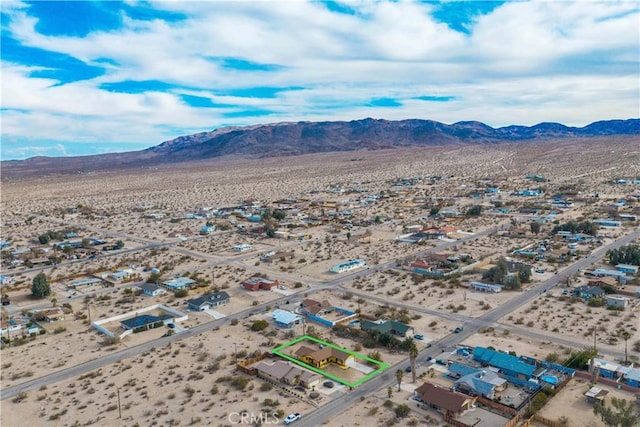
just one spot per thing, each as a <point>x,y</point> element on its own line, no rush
<point>296,138</point>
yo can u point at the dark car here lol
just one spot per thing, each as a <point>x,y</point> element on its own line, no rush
<point>170,325</point>
<point>458,329</point>
<point>407,369</point>
<point>328,384</point>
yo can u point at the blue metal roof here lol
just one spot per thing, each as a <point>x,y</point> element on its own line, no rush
<point>503,361</point>
<point>460,369</point>
<point>284,317</point>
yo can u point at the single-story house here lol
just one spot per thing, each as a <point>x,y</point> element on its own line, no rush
<point>208,301</point>
<point>288,373</point>
<point>255,283</point>
<point>603,282</point>
<point>152,289</point>
<point>348,266</point>
<point>617,301</point>
<point>242,248</point>
<point>485,287</point>
<point>483,383</point>
<point>179,283</point>
<point>386,326</point>
<point>458,370</point>
<point>603,272</point>
<point>311,306</point>
<point>144,322</point>
<point>444,400</point>
<point>321,357</point>
<point>616,371</point>
<point>626,268</point>
<point>286,319</point>
<point>206,229</point>
<point>506,363</point>
<point>587,292</point>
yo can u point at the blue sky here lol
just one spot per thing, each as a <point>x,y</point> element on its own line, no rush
<point>95,77</point>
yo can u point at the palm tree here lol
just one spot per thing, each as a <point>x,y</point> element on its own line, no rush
<point>413,355</point>
<point>399,375</point>
<point>625,336</point>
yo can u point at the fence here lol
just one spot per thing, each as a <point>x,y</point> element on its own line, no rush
<point>541,420</point>
<point>497,406</point>
<point>612,383</point>
<point>455,423</point>
<point>320,320</point>
<point>243,364</point>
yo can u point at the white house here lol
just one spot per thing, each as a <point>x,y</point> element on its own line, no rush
<point>617,301</point>
<point>348,266</point>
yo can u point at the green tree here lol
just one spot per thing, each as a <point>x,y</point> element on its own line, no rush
<point>120,244</point>
<point>153,278</point>
<point>40,286</point>
<point>259,325</point>
<point>497,273</point>
<point>434,210</point>
<point>580,359</point>
<point>524,274</point>
<point>474,210</point>
<point>620,413</point>
<point>389,391</point>
<point>625,335</point>
<point>279,215</point>
<point>180,293</point>
<point>399,375</point>
<point>402,410</point>
<point>629,254</point>
<point>413,355</point>
<point>535,227</point>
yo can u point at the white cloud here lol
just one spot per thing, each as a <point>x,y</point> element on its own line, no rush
<point>526,62</point>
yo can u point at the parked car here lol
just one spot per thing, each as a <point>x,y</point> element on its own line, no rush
<point>458,329</point>
<point>407,369</point>
<point>328,384</point>
<point>418,336</point>
<point>170,325</point>
<point>291,418</point>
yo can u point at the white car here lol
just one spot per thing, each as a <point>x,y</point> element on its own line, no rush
<point>291,418</point>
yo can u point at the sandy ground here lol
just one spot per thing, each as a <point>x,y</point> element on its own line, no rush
<point>188,383</point>
<point>572,403</point>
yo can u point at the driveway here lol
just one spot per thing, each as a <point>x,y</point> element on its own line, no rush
<point>215,314</point>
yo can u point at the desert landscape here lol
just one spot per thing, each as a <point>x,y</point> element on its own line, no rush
<point>105,239</point>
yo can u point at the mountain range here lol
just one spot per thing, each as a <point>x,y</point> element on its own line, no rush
<point>296,138</point>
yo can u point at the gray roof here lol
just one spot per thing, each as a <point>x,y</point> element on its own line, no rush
<point>209,298</point>
<point>482,382</point>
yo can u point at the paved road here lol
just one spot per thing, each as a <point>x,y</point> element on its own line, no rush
<point>132,351</point>
<point>320,415</point>
<point>135,350</point>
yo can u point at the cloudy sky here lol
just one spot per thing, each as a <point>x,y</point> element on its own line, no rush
<point>97,77</point>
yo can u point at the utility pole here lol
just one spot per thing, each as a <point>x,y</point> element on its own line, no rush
<point>235,352</point>
<point>119,407</point>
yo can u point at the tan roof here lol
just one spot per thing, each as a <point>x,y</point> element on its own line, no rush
<point>322,354</point>
<point>442,397</point>
<point>277,370</point>
<point>313,306</point>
